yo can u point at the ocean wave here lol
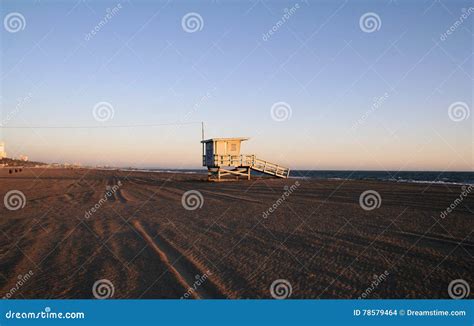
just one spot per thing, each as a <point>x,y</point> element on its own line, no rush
<point>434,182</point>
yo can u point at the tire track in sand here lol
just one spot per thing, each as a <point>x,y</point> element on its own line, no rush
<point>182,269</point>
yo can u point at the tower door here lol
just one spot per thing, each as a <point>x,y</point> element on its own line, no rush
<point>209,154</point>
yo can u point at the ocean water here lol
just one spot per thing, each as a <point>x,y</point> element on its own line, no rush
<point>395,176</point>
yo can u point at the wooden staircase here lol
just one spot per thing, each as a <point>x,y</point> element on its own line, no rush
<point>270,168</point>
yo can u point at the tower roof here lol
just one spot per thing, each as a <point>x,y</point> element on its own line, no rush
<point>224,139</point>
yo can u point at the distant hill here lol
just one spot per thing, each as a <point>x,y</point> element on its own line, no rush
<point>12,162</point>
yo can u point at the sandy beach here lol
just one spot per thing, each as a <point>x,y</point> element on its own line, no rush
<point>234,241</point>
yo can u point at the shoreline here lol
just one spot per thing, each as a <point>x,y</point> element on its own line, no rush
<point>204,172</point>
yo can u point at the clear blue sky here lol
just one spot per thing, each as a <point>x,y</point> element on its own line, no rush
<point>227,74</point>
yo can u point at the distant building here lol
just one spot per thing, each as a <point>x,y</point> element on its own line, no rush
<point>23,158</point>
<point>2,150</point>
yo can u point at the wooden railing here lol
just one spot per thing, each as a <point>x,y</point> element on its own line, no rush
<point>230,160</point>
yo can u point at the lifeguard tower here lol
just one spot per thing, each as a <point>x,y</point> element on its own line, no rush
<point>223,159</point>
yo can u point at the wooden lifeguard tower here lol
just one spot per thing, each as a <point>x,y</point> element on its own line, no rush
<point>222,158</point>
